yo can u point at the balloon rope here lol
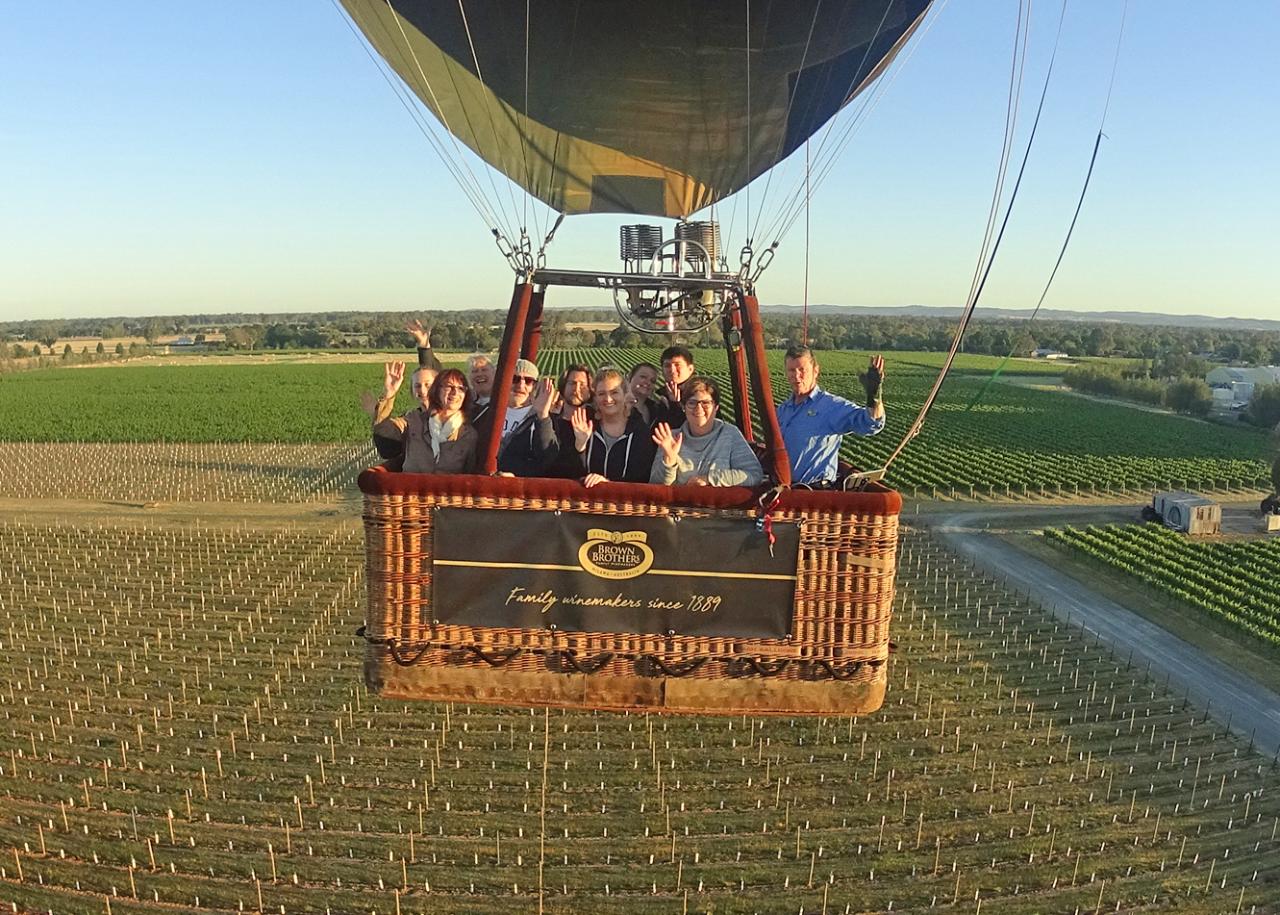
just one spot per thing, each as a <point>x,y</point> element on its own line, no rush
<point>524,125</point>
<point>1061,253</point>
<point>983,272</point>
<point>1093,159</point>
<point>1016,71</point>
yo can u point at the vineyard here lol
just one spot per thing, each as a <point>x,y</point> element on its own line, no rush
<point>178,472</point>
<point>1014,442</point>
<point>185,730</point>
<point>1231,581</point>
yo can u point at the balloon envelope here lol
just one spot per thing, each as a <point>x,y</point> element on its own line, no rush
<point>614,106</point>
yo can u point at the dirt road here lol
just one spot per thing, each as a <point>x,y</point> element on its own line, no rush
<point>1228,694</point>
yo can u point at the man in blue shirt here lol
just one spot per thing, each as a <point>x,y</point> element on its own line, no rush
<point>814,420</point>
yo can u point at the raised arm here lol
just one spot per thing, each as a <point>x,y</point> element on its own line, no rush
<point>873,383</point>
<point>422,336</point>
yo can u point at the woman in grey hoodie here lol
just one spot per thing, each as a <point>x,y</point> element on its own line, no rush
<point>706,451</point>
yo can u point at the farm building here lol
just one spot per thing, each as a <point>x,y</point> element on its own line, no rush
<point>1186,511</point>
<point>1240,381</point>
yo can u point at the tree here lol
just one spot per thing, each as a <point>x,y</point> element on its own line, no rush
<point>1252,354</point>
<point>1189,395</point>
<point>101,348</point>
<point>48,333</point>
<point>239,337</point>
<point>152,330</point>
<point>120,349</point>
<point>1023,343</point>
<point>314,338</point>
<point>280,336</point>
<point>1264,406</point>
<point>67,351</point>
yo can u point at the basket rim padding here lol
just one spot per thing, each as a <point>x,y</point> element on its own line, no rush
<point>380,481</point>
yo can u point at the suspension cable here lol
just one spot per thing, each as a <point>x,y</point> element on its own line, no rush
<point>786,116</point>
<point>747,48</point>
<point>458,169</point>
<point>500,222</point>
<point>804,322</point>
<point>488,110</point>
<point>825,158</point>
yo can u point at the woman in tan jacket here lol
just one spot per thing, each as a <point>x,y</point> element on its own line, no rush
<point>436,436</point>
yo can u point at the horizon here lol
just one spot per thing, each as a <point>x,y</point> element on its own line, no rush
<point>156,180</point>
<point>1139,318</point>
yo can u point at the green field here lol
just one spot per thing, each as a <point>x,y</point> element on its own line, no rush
<point>1015,441</point>
<point>185,730</point>
<point>1232,582</point>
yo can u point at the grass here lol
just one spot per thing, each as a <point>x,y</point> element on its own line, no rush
<point>1001,442</point>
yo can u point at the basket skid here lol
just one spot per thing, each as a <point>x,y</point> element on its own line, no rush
<point>618,692</point>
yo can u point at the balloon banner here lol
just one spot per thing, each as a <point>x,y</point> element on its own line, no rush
<point>665,575</point>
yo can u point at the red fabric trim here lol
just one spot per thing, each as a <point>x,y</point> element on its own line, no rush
<point>382,482</point>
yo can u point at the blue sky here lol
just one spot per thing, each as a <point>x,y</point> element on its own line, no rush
<point>165,158</point>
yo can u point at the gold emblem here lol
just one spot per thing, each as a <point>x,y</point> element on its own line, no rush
<point>615,554</point>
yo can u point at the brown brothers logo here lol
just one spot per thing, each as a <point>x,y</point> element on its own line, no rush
<point>615,554</point>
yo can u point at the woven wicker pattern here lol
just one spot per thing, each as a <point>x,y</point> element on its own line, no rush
<point>843,598</point>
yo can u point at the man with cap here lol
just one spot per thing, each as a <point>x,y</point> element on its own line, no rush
<point>529,440</point>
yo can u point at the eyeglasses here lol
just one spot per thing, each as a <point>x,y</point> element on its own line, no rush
<point>455,388</point>
<point>523,379</point>
<point>699,404</point>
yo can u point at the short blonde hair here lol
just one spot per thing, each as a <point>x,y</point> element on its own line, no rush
<point>607,372</point>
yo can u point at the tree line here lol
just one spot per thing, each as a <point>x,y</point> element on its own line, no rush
<point>563,328</point>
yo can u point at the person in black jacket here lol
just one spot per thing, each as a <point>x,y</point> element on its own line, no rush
<point>640,385</point>
<point>574,390</point>
<point>617,446</point>
<point>677,369</point>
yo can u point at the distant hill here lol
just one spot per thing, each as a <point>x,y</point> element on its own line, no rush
<point>1046,314</point>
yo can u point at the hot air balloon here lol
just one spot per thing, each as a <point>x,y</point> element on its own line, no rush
<point>629,595</point>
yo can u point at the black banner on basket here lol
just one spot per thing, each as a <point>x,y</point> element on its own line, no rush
<point>709,577</point>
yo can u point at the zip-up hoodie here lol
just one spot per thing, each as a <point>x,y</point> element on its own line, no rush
<point>530,447</point>
<point>722,456</point>
<point>627,460</point>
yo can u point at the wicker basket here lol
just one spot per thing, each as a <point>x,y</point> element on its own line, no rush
<point>834,662</point>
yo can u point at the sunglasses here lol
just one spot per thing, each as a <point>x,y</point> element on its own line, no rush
<point>523,379</point>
